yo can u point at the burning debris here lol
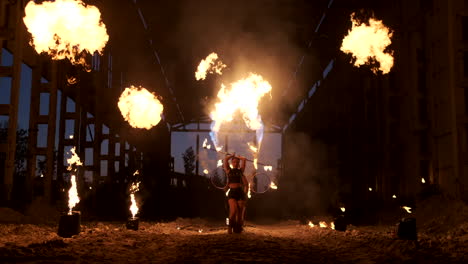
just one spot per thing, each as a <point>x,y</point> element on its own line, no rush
<point>209,65</point>
<point>65,29</point>
<point>140,107</point>
<point>367,43</point>
<point>407,209</point>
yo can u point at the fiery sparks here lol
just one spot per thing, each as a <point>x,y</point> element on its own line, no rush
<point>367,43</point>
<point>370,189</point>
<point>273,186</point>
<point>227,192</point>
<point>73,197</point>
<point>407,209</point>
<point>65,29</point>
<point>140,107</point>
<point>248,192</point>
<point>73,160</point>
<point>323,224</point>
<point>252,147</point>
<point>423,180</point>
<point>205,144</point>
<point>205,171</point>
<point>71,80</point>
<point>209,65</point>
<point>311,224</point>
<point>343,209</point>
<point>133,189</point>
<point>332,225</point>
<point>394,196</point>
<point>242,96</point>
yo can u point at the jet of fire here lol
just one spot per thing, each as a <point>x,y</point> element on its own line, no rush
<point>65,29</point>
<point>73,197</point>
<point>140,107</point>
<point>367,43</point>
<point>242,96</point>
<point>209,65</point>
<point>407,208</point>
<point>133,189</point>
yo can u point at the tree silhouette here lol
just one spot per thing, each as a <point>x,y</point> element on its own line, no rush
<point>189,164</point>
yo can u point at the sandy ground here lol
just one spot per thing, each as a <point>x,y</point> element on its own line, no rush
<point>199,241</point>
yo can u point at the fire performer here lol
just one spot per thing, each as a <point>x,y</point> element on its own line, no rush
<point>237,186</point>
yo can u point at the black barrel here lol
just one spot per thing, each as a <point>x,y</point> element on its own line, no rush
<point>407,229</point>
<point>133,223</point>
<point>340,223</point>
<point>69,224</point>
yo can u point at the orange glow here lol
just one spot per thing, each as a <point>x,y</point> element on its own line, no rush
<point>73,198</point>
<point>134,207</point>
<point>209,65</point>
<point>367,42</point>
<point>311,224</point>
<point>65,29</point>
<point>273,186</point>
<point>323,224</point>
<point>140,108</point>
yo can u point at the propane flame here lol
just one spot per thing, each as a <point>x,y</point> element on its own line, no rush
<point>133,189</point>
<point>73,198</point>
<point>242,96</point>
<point>423,180</point>
<point>252,147</point>
<point>205,145</point>
<point>407,208</point>
<point>273,186</point>
<point>65,29</point>
<point>311,224</point>
<point>248,192</point>
<point>343,209</point>
<point>73,160</point>
<point>205,171</point>
<point>140,107</point>
<point>367,43</point>
<point>323,224</point>
<point>267,168</point>
<point>332,225</point>
<point>209,65</point>
<point>220,163</point>
<point>72,80</point>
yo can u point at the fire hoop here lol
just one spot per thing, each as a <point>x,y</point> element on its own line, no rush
<point>221,179</point>
<point>263,175</point>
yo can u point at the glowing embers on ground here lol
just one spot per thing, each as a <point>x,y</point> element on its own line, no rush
<point>73,198</point>
<point>322,224</point>
<point>65,29</point>
<point>367,43</point>
<point>140,108</point>
<point>209,65</point>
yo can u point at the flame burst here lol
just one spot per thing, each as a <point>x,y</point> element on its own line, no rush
<point>73,197</point>
<point>273,186</point>
<point>367,43</point>
<point>133,189</point>
<point>311,224</point>
<point>65,29</point>
<point>243,96</point>
<point>209,65</point>
<point>323,224</point>
<point>140,107</point>
<point>407,208</point>
<point>206,145</point>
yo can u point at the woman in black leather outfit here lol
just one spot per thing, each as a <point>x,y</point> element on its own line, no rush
<point>237,185</point>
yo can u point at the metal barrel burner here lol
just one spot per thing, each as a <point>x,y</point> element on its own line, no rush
<point>69,224</point>
<point>407,229</point>
<point>133,223</point>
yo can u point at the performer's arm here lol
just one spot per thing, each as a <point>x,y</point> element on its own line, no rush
<point>226,163</point>
<point>243,163</point>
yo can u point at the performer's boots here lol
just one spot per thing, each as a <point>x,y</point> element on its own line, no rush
<point>231,225</point>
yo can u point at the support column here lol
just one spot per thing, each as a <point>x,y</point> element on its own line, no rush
<point>51,125</point>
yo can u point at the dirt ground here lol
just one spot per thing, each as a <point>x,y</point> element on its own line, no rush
<point>200,241</point>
